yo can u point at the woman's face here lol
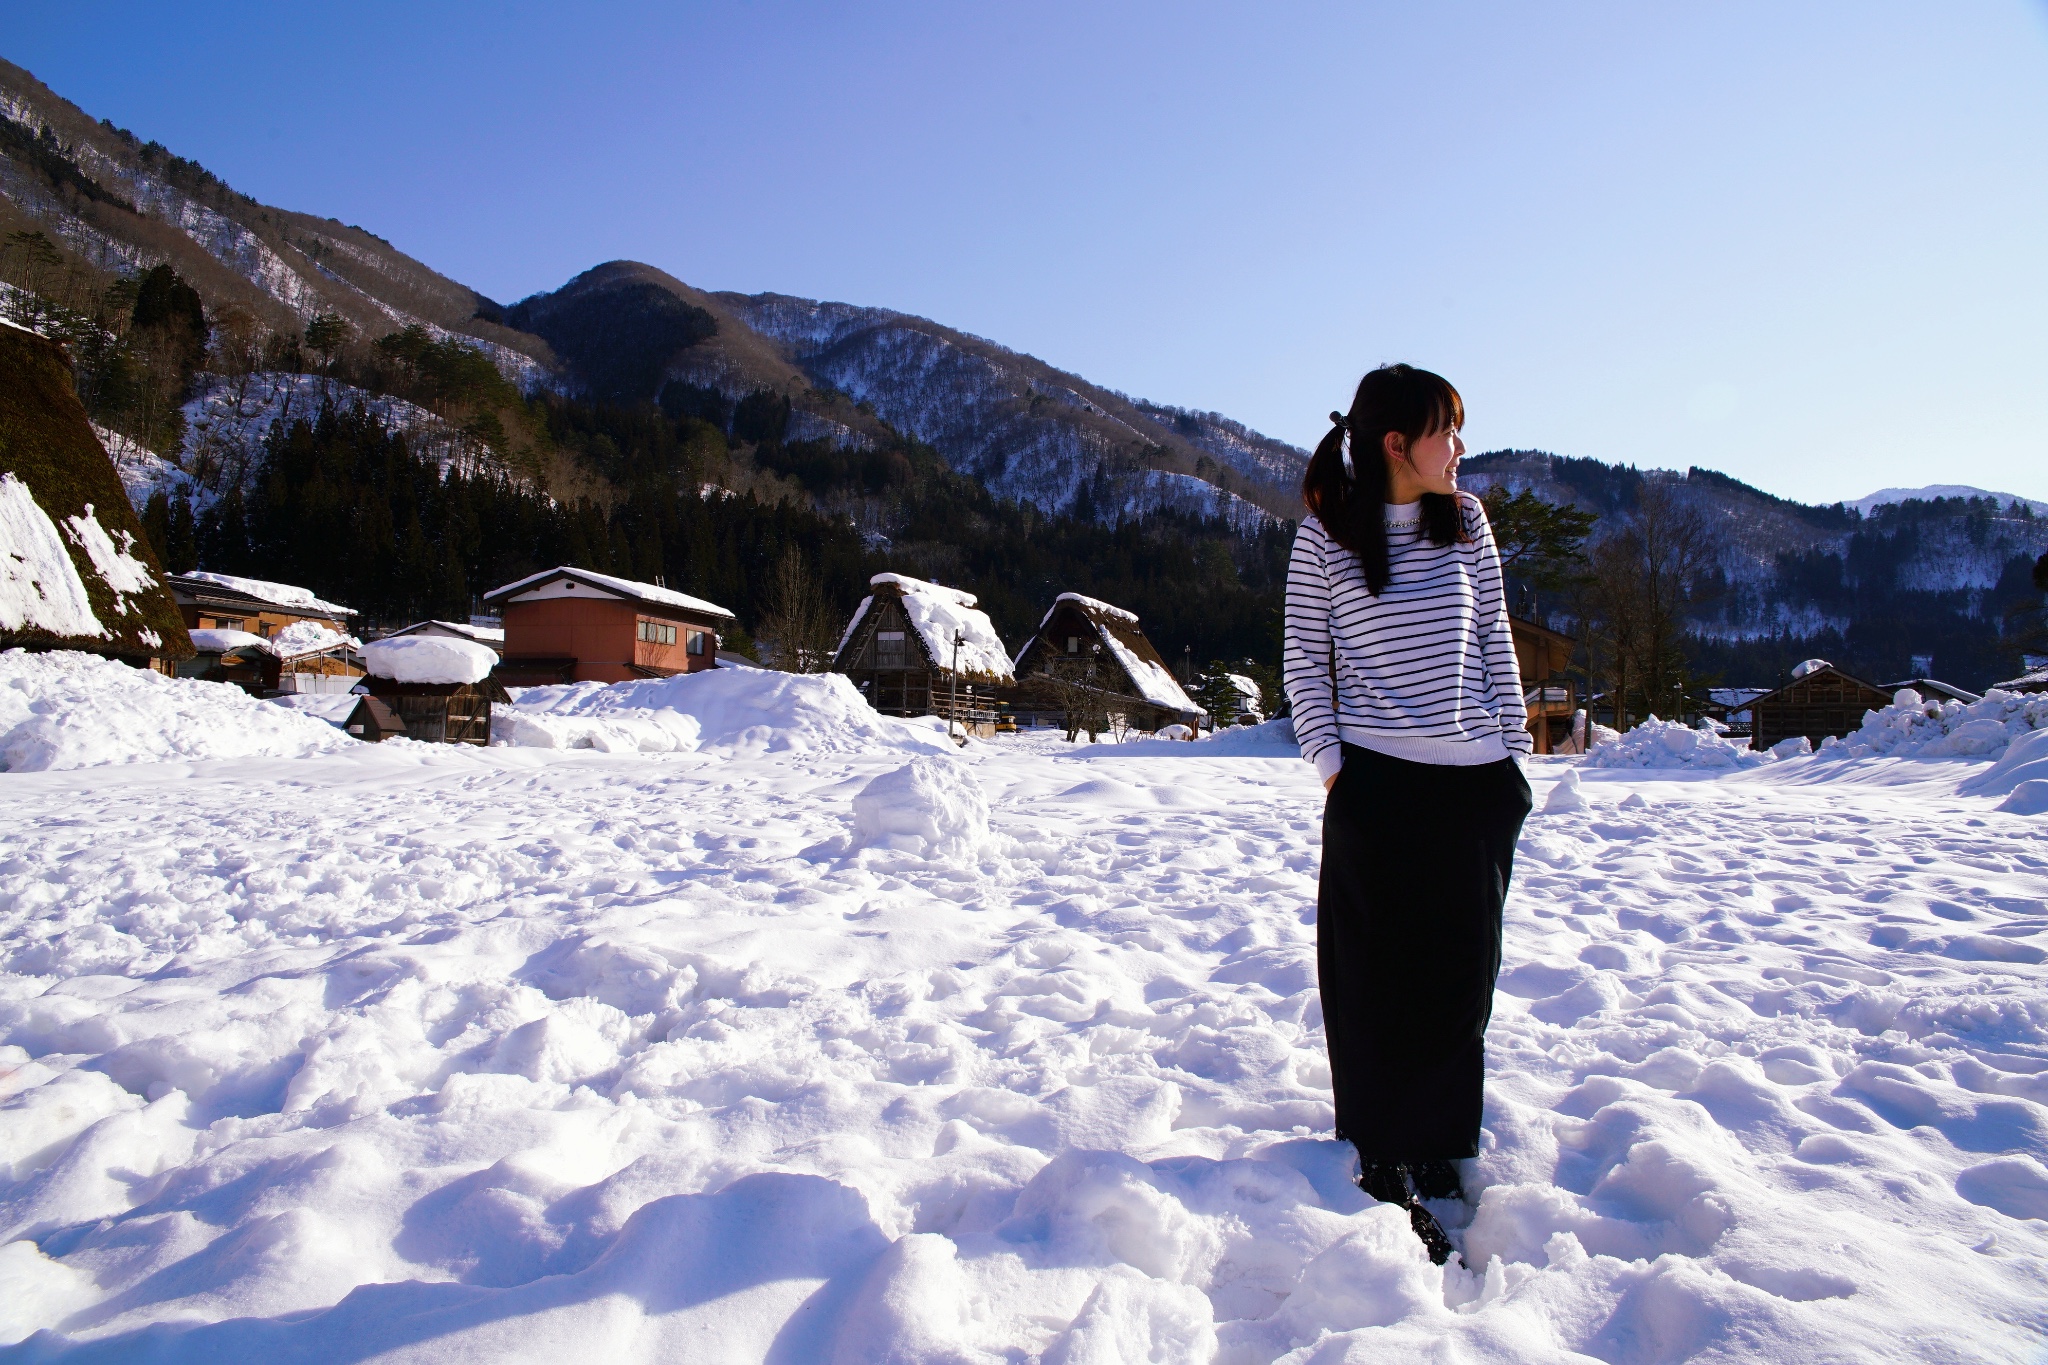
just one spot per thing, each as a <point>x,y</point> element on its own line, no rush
<point>1434,460</point>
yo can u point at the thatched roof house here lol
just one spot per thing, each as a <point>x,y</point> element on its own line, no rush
<point>922,649</point>
<point>76,570</point>
<point>1088,646</point>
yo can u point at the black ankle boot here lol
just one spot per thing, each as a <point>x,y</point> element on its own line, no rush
<point>1434,1239</point>
<point>1436,1180</point>
<point>1385,1181</point>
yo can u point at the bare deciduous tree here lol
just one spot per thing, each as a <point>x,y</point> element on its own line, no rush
<point>796,630</point>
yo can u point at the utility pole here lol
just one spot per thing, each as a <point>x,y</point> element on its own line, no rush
<point>959,639</point>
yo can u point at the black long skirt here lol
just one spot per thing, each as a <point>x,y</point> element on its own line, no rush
<point>1416,863</point>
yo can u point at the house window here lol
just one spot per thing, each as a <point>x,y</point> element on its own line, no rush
<point>656,632</point>
<point>889,649</point>
<point>695,644</point>
<point>1073,644</point>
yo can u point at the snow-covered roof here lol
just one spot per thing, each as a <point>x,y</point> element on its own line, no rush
<point>221,641</point>
<point>309,637</point>
<point>1120,635</point>
<point>283,595</point>
<point>439,659</point>
<point>937,613</point>
<point>621,587</point>
<point>1810,666</point>
<point>494,636</point>
<point>2033,680</point>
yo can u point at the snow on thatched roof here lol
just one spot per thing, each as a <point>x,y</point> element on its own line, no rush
<point>937,613</point>
<point>75,568</point>
<point>1126,643</point>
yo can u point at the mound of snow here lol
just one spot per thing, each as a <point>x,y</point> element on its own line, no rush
<point>429,659</point>
<point>2024,760</point>
<point>1566,796</point>
<point>1667,744</point>
<point>67,710</point>
<point>2028,798</point>
<point>1912,727</point>
<point>727,712</point>
<point>931,804</point>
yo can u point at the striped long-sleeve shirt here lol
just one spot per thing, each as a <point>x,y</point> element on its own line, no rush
<point>1425,671</point>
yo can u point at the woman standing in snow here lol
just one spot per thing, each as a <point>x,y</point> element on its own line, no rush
<point>1407,699</point>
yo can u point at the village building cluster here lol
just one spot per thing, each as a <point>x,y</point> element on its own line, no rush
<point>83,577</point>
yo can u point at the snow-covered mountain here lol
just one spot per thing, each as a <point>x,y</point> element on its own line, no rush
<point>1886,496</point>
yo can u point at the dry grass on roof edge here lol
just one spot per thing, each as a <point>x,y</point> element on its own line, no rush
<point>47,443</point>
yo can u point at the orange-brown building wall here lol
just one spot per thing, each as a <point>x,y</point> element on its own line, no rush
<point>265,623</point>
<point>602,636</point>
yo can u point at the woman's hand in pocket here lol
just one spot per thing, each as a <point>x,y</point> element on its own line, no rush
<point>1331,780</point>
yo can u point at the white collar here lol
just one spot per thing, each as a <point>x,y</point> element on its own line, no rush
<point>1404,513</point>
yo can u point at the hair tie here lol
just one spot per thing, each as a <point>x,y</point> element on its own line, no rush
<point>1344,447</point>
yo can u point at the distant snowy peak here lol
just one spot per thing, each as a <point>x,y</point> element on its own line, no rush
<point>1885,496</point>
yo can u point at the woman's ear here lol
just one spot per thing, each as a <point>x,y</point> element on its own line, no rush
<point>1395,444</point>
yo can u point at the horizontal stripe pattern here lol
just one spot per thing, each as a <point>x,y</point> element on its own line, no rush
<point>1430,659</point>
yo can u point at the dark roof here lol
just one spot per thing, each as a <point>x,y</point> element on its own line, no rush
<point>1524,623</point>
<point>48,449</point>
<point>1810,677</point>
<point>204,592</point>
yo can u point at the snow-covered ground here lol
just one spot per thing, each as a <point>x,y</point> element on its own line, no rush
<point>435,1053</point>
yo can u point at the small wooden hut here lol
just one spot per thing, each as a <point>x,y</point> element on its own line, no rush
<point>373,721</point>
<point>1933,689</point>
<point>1821,700</point>
<point>442,689</point>
<point>76,570</point>
<point>920,649</point>
<point>1090,655</point>
<point>2035,679</point>
<point>1541,656</point>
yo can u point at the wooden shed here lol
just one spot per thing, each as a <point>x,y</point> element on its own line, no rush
<point>76,570</point>
<point>1542,655</point>
<point>438,713</point>
<point>573,625</point>
<point>1821,700</point>
<point>373,721</point>
<point>921,649</point>
<point>1933,689</point>
<point>1088,653</point>
<point>2035,679</point>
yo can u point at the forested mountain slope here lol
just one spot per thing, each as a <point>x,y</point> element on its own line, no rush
<point>1946,577</point>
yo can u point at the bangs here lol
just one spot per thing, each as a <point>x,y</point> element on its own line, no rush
<point>1443,407</point>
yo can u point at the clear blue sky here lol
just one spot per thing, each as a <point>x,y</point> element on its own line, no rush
<point>1804,244</point>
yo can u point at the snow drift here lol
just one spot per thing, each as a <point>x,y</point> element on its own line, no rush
<point>725,711</point>
<point>1667,744</point>
<point>69,710</point>
<point>1912,727</point>
<point>930,805</point>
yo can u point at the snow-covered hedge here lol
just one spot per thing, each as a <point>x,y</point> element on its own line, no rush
<point>1915,727</point>
<point>68,710</point>
<point>1667,744</point>
<point>722,711</point>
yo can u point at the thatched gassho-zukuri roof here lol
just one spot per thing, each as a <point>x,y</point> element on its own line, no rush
<point>76,570</point>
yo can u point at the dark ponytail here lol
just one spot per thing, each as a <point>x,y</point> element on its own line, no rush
<point>1351,501</point>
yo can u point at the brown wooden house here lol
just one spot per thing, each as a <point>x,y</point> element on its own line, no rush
<point>212,601</point>
<point>1089,653</point>
<point>1821,700</point>
<point>921,649</point>
<point>573,625</point>
<point>81,572</point>
<point>1541,656</point>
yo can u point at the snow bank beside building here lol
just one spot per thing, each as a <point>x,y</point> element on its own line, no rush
<point>68,710</point>
<point>1667,744</point>
<point>1915,727</point>
<point>736,711</point>
<point>434,659</point>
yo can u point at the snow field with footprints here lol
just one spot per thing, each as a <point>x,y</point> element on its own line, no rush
<point>426,1054</point>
